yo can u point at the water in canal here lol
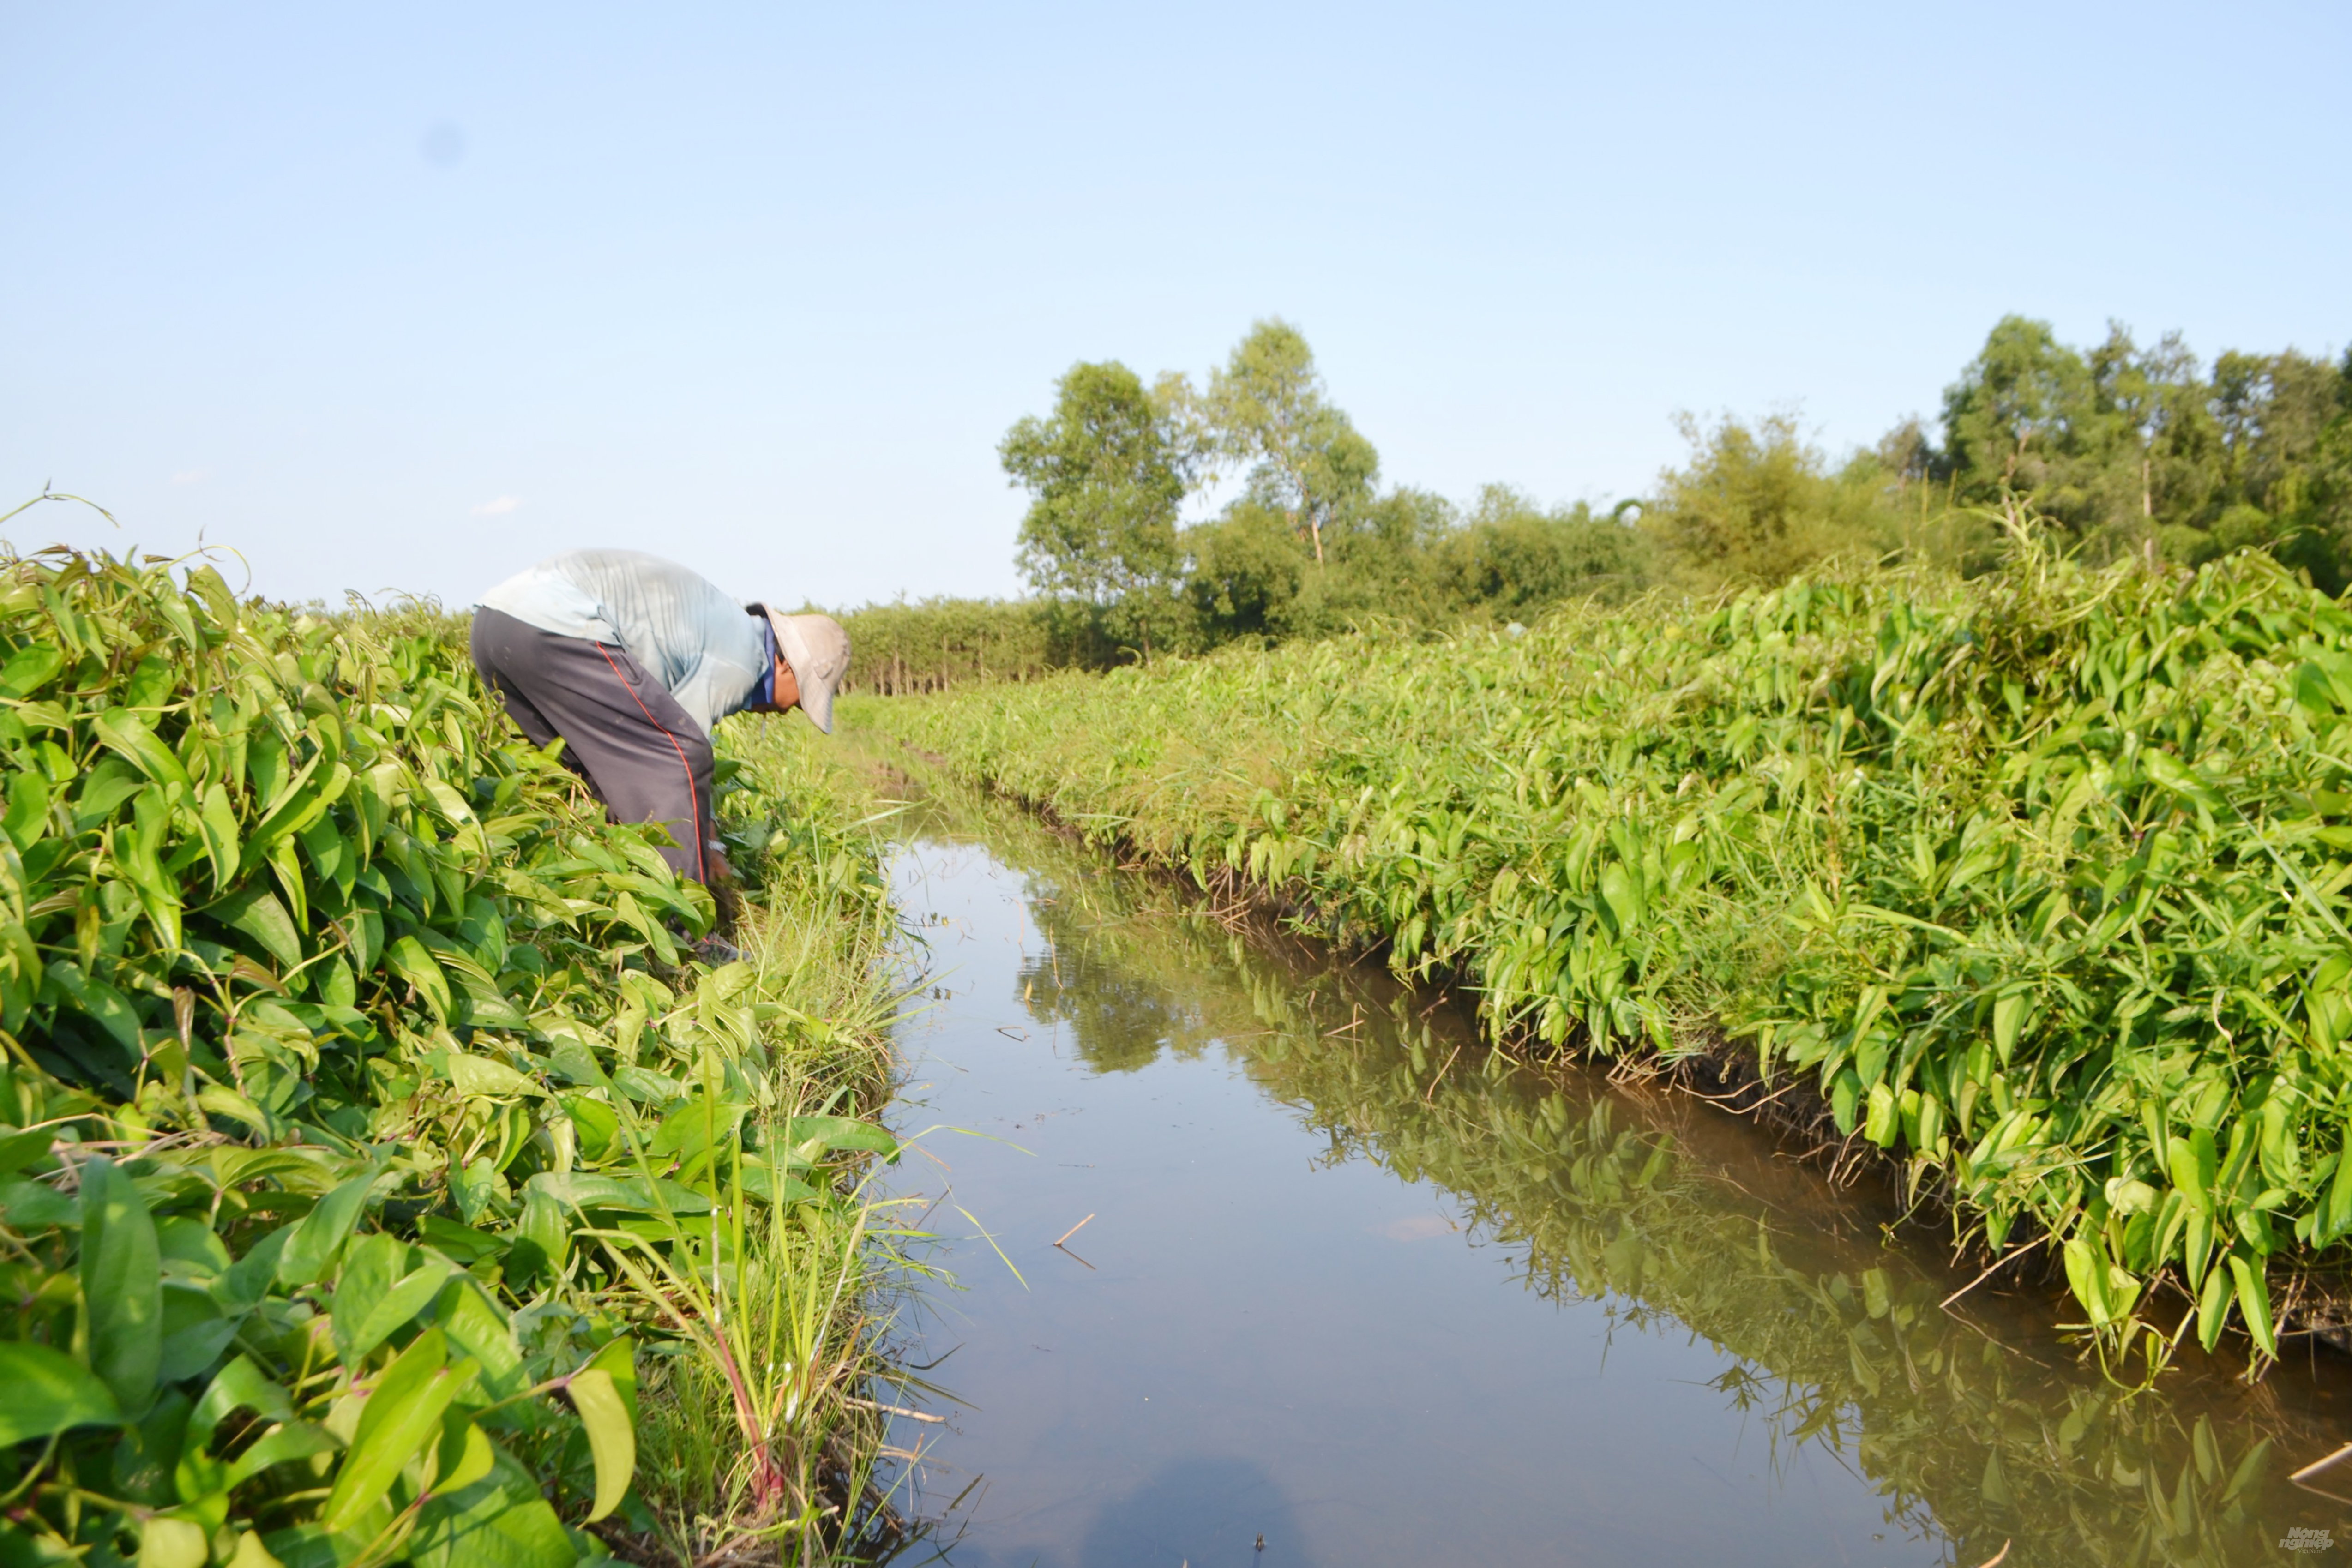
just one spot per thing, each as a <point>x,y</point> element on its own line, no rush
<point>1351,1289</point>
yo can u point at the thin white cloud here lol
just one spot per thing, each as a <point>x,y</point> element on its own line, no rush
<point>499,507</point>
<point>187,475</point>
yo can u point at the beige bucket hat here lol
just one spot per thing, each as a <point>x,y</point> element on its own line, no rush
<point>818,650</point>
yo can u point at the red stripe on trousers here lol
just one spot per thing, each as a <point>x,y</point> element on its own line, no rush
<point>693,802</point>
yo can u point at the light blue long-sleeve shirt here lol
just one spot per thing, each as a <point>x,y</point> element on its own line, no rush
<point>704,647</point>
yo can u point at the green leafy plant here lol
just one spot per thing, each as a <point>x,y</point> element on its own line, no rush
<point>341,1032</point>
<point>2033,879</point>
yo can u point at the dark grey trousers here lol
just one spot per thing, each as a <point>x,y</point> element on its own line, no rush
<point>622,732</point>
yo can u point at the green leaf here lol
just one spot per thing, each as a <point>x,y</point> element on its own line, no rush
<point>2214,1308</point>
<point>1881,1123</point>
<point>48,1393</point>
<point>2197,1245</point>
<point>2166,771</point>
<point>484,1006</point>
<point>239,1385</point>
<point>413,961</point>
<point>28,808</point>
<point>294,1440</point>
<point>306,799</point>
<point>2314,691</point>
<point>18,1150</point>
<point>1844,1093</point>
<point>134,856</point>
<point>108,1007</point>
<point>838,1132</point>
<point>499,1521</point>
<point>644,1086</point>
<point>195,1332</point>
<point>595,1121</point>
<point>146,1455</point>
<point>2007,1018</point>
<point>467,1454</point>
<point>255,911</point>
<point>367,929</point>
<point>484,1333</point>
<point>122,1284</point>
<point>447,802</point>
<point>611,1439</point>
<point>36,1206</point>
<point>125,732</point>
<point>402,1413</point>
<point>2193,1171</point>
<point>461,1244</point>
<point>2335,1213</point>
<point>373,1297</point>
<point>216,822</point>
<point>770,1183</point>
<point>2087,1277</point>
<point>474,1187</point>
<point>1870,1054</point>
<point>1623,896</point>
<point>582,1190</point>
<point>2254,1303</point>
<point>169,1542</point>
<point>482,1077</point>
<point>692,1125</point>
<point>317,1238</point>
<point>29,669</point>
<point>244,1282</point>
<point>542,1238</point>
<point>618,1361</point>
<point>250,1552</point>
<point>191,1250</point>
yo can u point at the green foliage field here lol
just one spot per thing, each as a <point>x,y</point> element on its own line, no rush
<point>2035,878</point>
<point>379,1182</point>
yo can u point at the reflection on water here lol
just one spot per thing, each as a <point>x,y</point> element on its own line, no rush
<point>1401,1300</point>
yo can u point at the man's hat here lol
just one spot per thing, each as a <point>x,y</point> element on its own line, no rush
<point>818,650</point>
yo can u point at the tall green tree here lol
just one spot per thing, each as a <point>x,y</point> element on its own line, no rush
<point>2272,412</point>
<point>2156,443</point>
<point>1105,477</point>
<point>1758,503</point>
<point>2019,420</point>
<point>1511,558</point>
<point>1267,407</point>
<point>1245,572</point>
<point>2136,449</point>
<point>2284,428</point>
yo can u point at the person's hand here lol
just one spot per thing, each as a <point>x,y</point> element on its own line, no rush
<point>718,952</point>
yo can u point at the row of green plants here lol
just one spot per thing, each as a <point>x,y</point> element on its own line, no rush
<point>1957,1411</point>
<point>381,1179</point>
<point>2033,878</point>
<point>940,643</point>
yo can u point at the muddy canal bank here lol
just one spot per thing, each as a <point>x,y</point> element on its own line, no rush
<point>1357,1287</point>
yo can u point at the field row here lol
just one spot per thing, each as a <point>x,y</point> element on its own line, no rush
<point>2034,878</point>
<point>379,1180</point>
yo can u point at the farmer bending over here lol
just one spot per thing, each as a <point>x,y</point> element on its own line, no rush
<point>632,659</point>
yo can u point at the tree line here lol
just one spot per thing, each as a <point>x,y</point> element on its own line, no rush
<point>2124,449</point>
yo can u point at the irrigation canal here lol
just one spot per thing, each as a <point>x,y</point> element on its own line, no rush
<point>1357,1289</point>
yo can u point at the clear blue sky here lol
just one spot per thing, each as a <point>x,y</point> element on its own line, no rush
<point>408,296</point>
